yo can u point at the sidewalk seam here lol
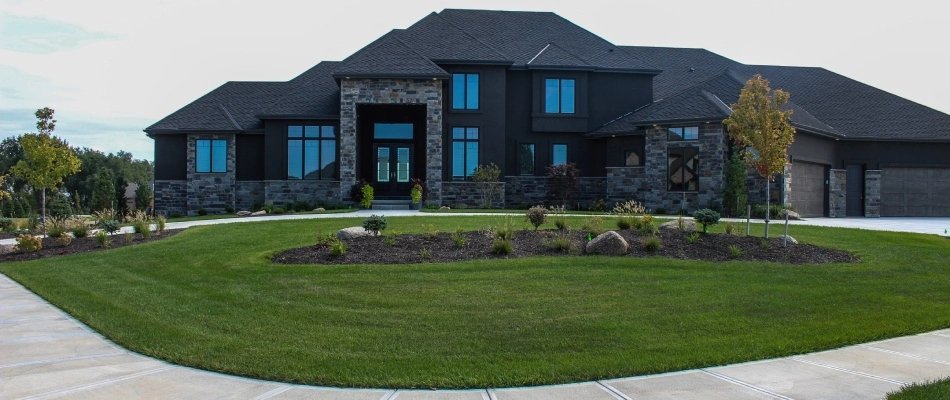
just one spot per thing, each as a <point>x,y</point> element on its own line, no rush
<point>97,384</point>
<point>745,384</point>
<point>880,378</point>
<point>613,391</point>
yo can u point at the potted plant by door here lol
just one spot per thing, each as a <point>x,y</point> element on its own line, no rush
<point>416,195</point>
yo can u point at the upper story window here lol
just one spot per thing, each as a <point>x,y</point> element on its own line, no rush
<point>683,133</point>
<point>311,152</point>
<point>559,96</point>
<point>211,155</point>
<point>464,151</point>
<point>559,154</point>
<point>465,91</point>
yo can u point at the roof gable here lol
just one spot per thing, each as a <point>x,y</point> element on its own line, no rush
<point>388,57</point>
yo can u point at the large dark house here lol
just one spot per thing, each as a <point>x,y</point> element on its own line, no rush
<point>525,90</point>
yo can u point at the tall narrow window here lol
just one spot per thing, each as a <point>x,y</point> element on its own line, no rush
<point>683,169</point>
<point>526,158</point>
<point>211,155</point>
<point>465,91</point>
<point>559,154</point>
<point>311,152</point>
<point>464,151</point>
<point>559,96</point>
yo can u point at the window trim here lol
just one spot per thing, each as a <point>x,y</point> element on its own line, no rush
<point>669,175</point>
<point>465,92</point>
<point>534,158</point>
<point>320,139</point>
<point>211,169</point>
<point>560,101</point>
<point>682,135</point>
<point>466,175</point>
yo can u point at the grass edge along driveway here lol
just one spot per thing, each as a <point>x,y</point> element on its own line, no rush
<point>209,298</point>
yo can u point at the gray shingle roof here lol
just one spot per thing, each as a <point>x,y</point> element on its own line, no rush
<point>388,57</point>
<point>313,93</point>
<point>682,68</point>
<point>553,55</point>
<point>439,40</point>
<point>231,107</point>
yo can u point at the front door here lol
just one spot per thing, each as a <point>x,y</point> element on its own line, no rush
<point>855,191</point>
<point>393,169</point>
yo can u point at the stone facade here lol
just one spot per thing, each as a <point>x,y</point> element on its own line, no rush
<point>282,192</point>
<point>354,92</point>
<point>246,193</point>
<point>171,197</point>
<point>838,193</point>
<point>872,193</point>
<point>526,191</point>
<point>457,194</point>
<point>212,192</point>
<point>787,185</point>
<point>648,184</point>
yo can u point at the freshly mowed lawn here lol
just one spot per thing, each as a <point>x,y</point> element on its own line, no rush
<point>209,298</point>
<point>934,390</point>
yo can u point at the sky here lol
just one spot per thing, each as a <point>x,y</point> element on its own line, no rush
<point>111,68</point>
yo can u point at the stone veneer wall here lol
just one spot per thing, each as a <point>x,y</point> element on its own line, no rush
<point>282,192</point>
<point>456,193</point>
<point>837,193</point>
<point>246,193</point>
<point>648,184</point>
<point>533,190</point>
<point>787,180</point>
<point>210,191</point>
<point>171,196</point>
<point>391,91</point>
<point>872,193</point>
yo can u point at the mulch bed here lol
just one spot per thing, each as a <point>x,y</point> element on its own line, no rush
<point>408,249</point>
<point>51,248</point>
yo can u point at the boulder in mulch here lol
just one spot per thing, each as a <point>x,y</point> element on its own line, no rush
<point>445,208</point>
<point>319,209</point>
<point>243,213</point>
<point>791,240</point>
<point>258,213</point>
<point>688,225</point>
<point>352,233</point>
<point>792,215</point>
<point>608,243</point>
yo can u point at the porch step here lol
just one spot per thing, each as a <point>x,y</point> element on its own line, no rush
<point>391,204</point>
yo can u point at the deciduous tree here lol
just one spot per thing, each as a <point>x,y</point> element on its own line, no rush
<point>757,122</point>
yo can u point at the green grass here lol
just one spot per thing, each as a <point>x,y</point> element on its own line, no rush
<point>209,298</point>
<point>226,216</point>
<point>933,390</point>
<point>498,211</point>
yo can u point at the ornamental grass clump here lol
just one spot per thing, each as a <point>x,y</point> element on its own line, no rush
<point>459,238</point>
<point>652,243</point>
<point>78,227</point>
<point>338,248</point>
<point>594,226</point>
<point>558,216</point>
<point>734,251</point>
<point>537,216</point>
<point>503,247</point>
<point>55,226</point>
<point>102,238</point>
<point>560,243</point>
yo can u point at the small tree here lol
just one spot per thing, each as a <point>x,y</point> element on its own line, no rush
<point>564,181</point>
<point>734,194</point>
<point>758,122</point>
<point>487,183</point>
<point>121,202</point>
<point>46,159</point>
<point>103,190</point>
<point>143,196</point>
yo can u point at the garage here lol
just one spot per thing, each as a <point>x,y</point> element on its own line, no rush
<point>808,189</point>
<point>915,192</point>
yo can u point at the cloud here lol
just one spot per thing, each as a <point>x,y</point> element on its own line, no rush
<point>80,130</point>
<point>43,36</point>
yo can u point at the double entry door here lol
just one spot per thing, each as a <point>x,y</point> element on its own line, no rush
<point>393,170</point>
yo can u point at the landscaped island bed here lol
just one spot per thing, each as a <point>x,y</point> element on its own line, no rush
<point>210,297</point>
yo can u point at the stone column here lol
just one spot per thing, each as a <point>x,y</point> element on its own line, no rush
<point>837,193</point>
<point>872,193</point>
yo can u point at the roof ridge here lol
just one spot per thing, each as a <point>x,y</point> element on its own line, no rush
<point>230,117</point>
<point>539,53</point>
<point>717,102</point>
<point>714,77</point>
<point>416,52</point>
<point>503,57</point>
<point>559,48</point>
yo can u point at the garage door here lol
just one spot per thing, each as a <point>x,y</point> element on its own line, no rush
<point>808,189</point>
<point>915,192</point>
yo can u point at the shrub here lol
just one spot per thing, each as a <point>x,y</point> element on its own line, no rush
<point>279,210</point>
<point>501,246</point>
<point>560,222</point>
<point>103,239</point>
<point>160,223</point>
<point>660,211</point>
<point>734,192</point>
<point>537,216</point>
<point>598,205</point>
<point>55,227</point>
<point>142,227</point>
<point>646,225</point>
<point>734,251</point>
<point>765,244</point>
<point>80,230</point>
<point>459,238</point>
<point>6,224</point>
<point>505,231</point>
<point>423,192</point>
<point>356,191</point>
<point>564,180</point>
<point>368,195</point>
<point>389,241</point>
<point>558,243</point>
<point>706,217</point>
<point>416,194</point>
<point>28,244</point>
<point>624,222</point>
<point>202,212</point>
<point>229,209</point>
<point>730,228</point>
<point>652,243</point>
<point>64,240</point>
<point>338,248</point>
<point>775,211</point>
<point>375,223</point>
<point>175,214</point>
<point>109,225</point>
<point>693,238</point>
<point>429,232</point>
<point>594,225</point>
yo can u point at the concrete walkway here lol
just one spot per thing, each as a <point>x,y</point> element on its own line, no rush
<point>45,353</point>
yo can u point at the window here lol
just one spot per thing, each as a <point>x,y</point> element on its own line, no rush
<point>559,96</point>
<point>465,91</point>
<point>526,158</point>
<point>464,151</point>
<point>559,154</point>
<point>631,158</point>
<point>684,169</point>
<point>392,131</point>
<point>683,133</point>
<point>211,155</point>
<point>311,152</point>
